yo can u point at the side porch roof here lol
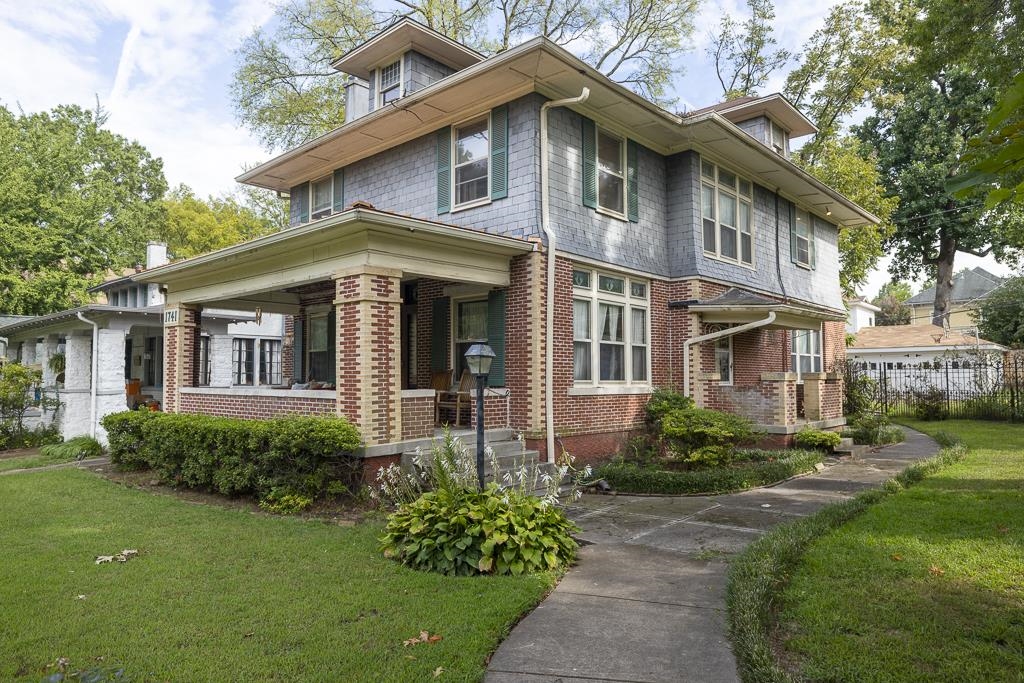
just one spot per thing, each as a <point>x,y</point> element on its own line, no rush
<point>737,306</point>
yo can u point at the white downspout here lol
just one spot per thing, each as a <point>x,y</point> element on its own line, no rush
<point>545,225</point>
<point>727,332</point>
<point>95,371</point>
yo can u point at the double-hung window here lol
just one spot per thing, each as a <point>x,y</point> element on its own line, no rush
<point>322,191</point>
<point>803,239</point>
<point>610,329</point>
<point>805,351</point>
<point>611,176</point>
<point>472,162</point>
<point>726,214</point>
<point>777,138</point>
<point>243,359</point>
<point>205,364</point>
<point>389,83</point>
<point>723,359</point>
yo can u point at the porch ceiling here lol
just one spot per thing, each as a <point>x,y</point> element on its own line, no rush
<point>259,272</point>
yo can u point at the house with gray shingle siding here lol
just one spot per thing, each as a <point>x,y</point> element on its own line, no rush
<point>601,245</point>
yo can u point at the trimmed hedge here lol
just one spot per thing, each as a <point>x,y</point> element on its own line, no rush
<point>627,477</point>
<point>300,455</point>
<point>758,576</point>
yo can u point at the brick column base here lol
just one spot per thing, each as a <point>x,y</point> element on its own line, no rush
<point>783,391</point>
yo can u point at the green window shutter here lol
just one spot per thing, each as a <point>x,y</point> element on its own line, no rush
<point>792,233</point>
<point>298,349</point>
<point>499,152</point>
<point>812,245</point>
<point>632,181</point>
<point>439,335</point>
<point>444,171</point>
<point>589,146</point>
<point>496,336</point>
<point>332,345</point>
<point>298,204</point>
<point>339,190</point>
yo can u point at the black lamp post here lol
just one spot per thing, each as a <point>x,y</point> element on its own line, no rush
<point>478,358</point>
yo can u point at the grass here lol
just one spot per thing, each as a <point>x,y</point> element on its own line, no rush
<point>924,585</point>
<point>219,594</point>
<point>768,467</point>
<point>37,459</point>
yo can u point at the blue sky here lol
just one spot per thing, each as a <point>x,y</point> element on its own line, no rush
<point>161,69</point>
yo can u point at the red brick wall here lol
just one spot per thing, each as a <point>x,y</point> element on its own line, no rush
<point>385,360</point>
<point>347,347</point>
<point>417,417</point>
<point>426,292</point>
<point>170,404</point>
<point>496,412</point>
<point>256,407</point>
<point>524,343</point>
<point>288,351</point>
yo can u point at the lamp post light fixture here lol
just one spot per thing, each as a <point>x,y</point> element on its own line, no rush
<point>478,358</point>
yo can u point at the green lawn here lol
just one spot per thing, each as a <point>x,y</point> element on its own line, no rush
<point>31,460</point>
<point>927,584</point>
<point>218,594</point>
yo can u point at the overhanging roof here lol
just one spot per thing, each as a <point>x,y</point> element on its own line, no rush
<point>399,37</point>
<point>776,106</point>
<point>261,272</point>
<point>100,313</point>
<point>541,66</point>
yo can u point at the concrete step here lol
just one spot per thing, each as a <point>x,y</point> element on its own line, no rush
<point>851,450</point>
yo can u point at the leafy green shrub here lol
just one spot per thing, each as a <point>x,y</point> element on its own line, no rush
<point>124,437</point>
<point>930,404</point>
<point>859,391</point>
<point>808,437</point>
<point>479,532</point>
<point>78,448</point>
<point>284,501</point>
<point>705,437</point>
<point>627,477</point>
<point>873,429</point>
<point>662,402</point>
<point>233,456</point>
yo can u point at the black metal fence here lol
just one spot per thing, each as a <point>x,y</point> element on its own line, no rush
<point>978,386</point>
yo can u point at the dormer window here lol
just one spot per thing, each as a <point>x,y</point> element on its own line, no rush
<point>777,138</point>
<point>389,83</point>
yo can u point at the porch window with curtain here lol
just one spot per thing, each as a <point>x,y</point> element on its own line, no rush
<point>581,341</point>
<point>471,328</point>
<point>320,348</point>
<point>204,361</point>
<point>613,346</point>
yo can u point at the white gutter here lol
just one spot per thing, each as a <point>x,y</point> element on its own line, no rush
<point>95,371</point>
<point>727,332</point>
<point>545,225</point>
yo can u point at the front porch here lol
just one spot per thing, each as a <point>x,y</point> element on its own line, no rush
<point>377,307</point>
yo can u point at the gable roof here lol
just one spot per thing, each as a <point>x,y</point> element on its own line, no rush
<point>541,66</point>
<point>917,337</point>
<point>776,105</point>
<point>969,285</point>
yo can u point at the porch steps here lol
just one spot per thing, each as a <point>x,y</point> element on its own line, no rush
<point>848,449</point>
<point>509,455</point>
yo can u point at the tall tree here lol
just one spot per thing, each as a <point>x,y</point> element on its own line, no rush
<point>745,53</point>
<point>75,201</point>
<point>195,226</point>
<point>920,136</point>
<point>892,299</point>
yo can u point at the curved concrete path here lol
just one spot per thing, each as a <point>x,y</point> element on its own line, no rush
<point>646,601</point>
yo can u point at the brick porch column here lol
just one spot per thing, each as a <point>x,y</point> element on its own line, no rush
<point>181,351</point>
<point>782,389</point>
<point>368,307</point>
<point>814,385</point>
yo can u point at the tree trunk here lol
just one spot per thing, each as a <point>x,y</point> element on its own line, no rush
<point>943,281</point>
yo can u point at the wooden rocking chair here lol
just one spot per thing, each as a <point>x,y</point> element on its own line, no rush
<point>458,400</point>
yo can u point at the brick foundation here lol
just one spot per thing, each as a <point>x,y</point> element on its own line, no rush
<point>255,406</point>
<point>417,415</point>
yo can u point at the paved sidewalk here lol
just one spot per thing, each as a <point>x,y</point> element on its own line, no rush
<point>646,601</point>
<point>90,462</point>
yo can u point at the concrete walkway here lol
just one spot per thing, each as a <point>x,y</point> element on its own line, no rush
<point>646,601</point>
<point>81,464</point>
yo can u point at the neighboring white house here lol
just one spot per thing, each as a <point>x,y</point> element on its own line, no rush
<point>912,356</point>
<point>861,314</point>
<point>128,331</point>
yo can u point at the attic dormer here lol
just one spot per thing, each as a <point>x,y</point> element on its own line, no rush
<point>771,120</point>
<point>398,61</point>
